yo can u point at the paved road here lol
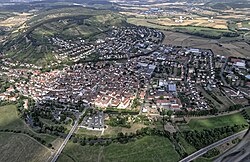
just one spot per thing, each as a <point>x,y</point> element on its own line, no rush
<point>205,149</point>
<point>59,151</point>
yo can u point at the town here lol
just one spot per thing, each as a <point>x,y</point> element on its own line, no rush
<point>155,78</point>
<point>117,80</point>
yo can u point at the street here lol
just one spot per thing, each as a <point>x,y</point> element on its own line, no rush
<point>206,149</point>
<point>59,151</point>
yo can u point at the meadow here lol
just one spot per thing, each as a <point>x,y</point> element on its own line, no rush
<point>146,149</point>
<point>214,122</point>
<point>198,28</point>
<point>20,146</point>
<point>9,120</point>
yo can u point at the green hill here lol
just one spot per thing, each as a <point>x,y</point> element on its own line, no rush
<point>33,45</point>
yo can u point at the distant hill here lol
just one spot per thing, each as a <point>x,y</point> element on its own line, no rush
<point>52,1</point>
<point>34,45</point>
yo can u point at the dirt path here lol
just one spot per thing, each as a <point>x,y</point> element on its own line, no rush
<point>100,154</point>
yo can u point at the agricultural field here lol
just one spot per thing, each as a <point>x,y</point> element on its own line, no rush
<point>15,20</point>
<point>214,122</point>
<point>224,46</point>
<point>191,27</point>
<point>4,15</point>
<point>149,148</point>
<point>22,148</point>
<point>10,120</point>
<point>199,29</point>
<point>198,22</point>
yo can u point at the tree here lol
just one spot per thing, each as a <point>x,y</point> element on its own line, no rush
<point>170,113</point>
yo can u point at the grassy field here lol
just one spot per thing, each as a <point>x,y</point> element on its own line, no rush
<point>244,24</point>
<point>9,119</point>
<point>109,131</point>
<point>206,31</point>
<point>21,148</point>
<point>225,46</point>
<point>82,132</point>
<point>147,149</point>
<point>214,122</point>
<point>112,131</point>
<point>186,146</point>
<point>248,111</point>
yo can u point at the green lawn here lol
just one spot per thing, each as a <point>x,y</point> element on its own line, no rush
<point>147,149</point>
<point>21,148</point>
<point>10,120</point>
<point>215,122</point>
<point>82,132</point>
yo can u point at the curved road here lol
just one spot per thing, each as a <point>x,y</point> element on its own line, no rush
<point>206,149</point>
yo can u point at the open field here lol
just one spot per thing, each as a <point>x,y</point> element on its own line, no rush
<point>15,21</point>
<point>5,14</point>
<point>226,46</point>
<point>22,148</point>
<point>186,146</point>
<point>213,122</point>
<point>87,133</point>
<point>147,149</point>
<point>114,130</point>
<point>10,120</point>
<point>218,26</point>
<point>110,131</point>
<point>200,21</point>
<point>244,24</point>
<point>237,49</point>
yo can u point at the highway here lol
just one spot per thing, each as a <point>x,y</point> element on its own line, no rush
<point>218,143</point>
<point>59,151</point>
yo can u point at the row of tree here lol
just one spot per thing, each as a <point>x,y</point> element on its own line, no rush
<point>200,139</point>
<point>213,111</point>
<point>121,137</point>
